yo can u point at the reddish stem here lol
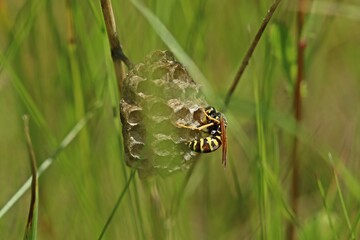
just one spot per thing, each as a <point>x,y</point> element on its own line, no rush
<point>250,51</point>
<point>295,182</point>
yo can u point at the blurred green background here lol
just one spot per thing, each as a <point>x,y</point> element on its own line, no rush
<point>56,66</point>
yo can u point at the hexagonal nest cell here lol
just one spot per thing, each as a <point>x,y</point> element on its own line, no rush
<point>156,95</point>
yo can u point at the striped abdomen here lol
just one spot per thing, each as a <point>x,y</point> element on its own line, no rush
<point>205,145</point>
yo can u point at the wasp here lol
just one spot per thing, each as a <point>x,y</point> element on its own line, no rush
<point>213,123</point>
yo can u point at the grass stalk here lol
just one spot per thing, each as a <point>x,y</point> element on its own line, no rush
<point>49,161</point>
<point>343,206</point>
<point>117,204</point>
<point>31,226</point>
<point>174,46</point>
<point>263,188</point>
<point>118,57</point>
<point>117,53</point>
<point>250,51</point>
<point>326,207</point>
<point>76,76</point>
<point>22,26</point>
<point>139,212</point>
<point>297,101</point>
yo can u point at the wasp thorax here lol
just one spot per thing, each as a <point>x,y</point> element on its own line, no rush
<point>157,94</point>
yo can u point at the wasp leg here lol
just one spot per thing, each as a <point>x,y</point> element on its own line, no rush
<point>205,145</point>
<point>211,118</point>
<point>185,126</point>
<point>195,128</point>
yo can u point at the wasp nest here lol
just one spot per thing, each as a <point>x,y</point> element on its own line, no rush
<point>156,96</point>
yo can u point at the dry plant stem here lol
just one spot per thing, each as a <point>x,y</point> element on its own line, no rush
<point>117,53</point>
<point>33,170</point>
<point>250,51</point>
<point>301,44</point>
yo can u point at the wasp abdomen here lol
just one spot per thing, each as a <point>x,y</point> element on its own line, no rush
<point>205,145</point>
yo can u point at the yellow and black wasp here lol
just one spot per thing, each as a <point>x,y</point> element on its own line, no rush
<point>213,123</point>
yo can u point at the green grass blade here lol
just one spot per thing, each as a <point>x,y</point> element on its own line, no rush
<point>323,196</point>
<point>27,100</point>
<point>343,204</point>
<point>175,47</point>
<point>117,204</point>
<point>49,161</point>
<point>22,27</point>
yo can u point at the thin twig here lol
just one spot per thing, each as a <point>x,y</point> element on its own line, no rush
<point>250,51</point>
<point>31,218</point>
<point>117,53</point>
<point>297,114</point>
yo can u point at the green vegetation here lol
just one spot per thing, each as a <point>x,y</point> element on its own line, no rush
<point>55,65</point>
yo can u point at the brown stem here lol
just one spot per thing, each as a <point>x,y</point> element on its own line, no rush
<point>298,115</point>
<point>250,51</point>
<point>117,53</point>
<point>33,172</point>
